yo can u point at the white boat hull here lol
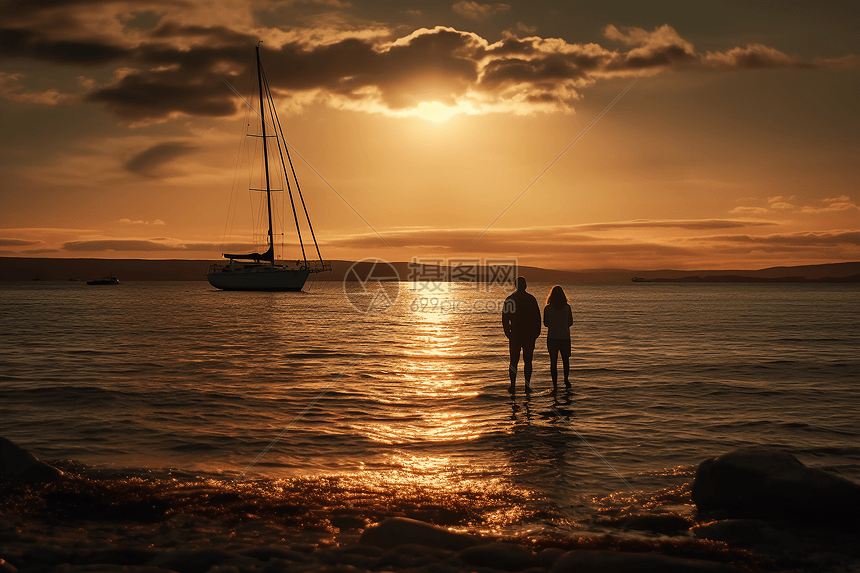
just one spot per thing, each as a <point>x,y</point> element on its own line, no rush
<point>262,278</point>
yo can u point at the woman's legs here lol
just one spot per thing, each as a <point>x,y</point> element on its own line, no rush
<point>565,360</point>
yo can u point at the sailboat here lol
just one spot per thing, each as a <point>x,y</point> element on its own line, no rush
<point>260,271</point>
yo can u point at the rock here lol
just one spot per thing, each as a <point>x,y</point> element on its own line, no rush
<point>200,560</point>
<point>396,531</point>
<point>504,556</point>
<point>735,532</point>
<point>667,523</point>
<point>602,561</point>
<point>549,555</point>
<point>17,465</point>
<point>412,556</point>
<point>760,482</point>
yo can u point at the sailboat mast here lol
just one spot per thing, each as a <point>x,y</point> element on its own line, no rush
<point>271,238</point>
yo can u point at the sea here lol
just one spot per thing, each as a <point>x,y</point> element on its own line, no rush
<point>402,406</point>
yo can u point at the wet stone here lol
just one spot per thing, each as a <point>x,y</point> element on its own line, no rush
<point>502,556</point>
<point>17,465</point>
<point>762,482</point>
<point>410,556</point>
<point>600,561</point>
<point>344,522</point>
<point>549,555</point>
<point>666,524</point>
<point>396,531</point>
<point>265,554</point>
<point>200,560</point>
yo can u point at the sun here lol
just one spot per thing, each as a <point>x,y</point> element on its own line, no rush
<point>435,112</point>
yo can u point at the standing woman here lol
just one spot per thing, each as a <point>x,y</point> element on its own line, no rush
<point>558,318</point>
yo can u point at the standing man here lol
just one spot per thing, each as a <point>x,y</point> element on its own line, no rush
<point>522,321</point>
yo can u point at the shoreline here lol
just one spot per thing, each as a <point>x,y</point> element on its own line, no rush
<point>21,269</point>
<point>60,520</point>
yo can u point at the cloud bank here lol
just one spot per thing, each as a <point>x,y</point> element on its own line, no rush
<point>175,66</point>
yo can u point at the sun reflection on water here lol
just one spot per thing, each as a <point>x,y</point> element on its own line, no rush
<point>428,376</point>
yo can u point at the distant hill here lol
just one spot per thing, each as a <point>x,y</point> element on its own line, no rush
<point>27,269</point>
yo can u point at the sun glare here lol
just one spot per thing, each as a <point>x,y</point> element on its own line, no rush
<point>436,112</point>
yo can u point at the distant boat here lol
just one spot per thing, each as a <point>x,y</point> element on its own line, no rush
<point>111,280</point>
<point>639,280</point>
<point>260,271</point>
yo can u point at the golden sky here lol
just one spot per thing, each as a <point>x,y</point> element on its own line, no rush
<point>419,127</point>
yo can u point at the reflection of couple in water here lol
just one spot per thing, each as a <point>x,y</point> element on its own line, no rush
<point>521,319</point>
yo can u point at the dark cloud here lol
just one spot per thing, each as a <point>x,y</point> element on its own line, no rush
<point>141,96</point>
<point>17,243</point>
<point>22,43</point>
<point>153,161</point>
<point>176,69</point>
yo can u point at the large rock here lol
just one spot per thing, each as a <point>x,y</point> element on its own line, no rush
<point>761,482</point>
<point>17,465</point>
<point>396,531</point>
<point>603,561</point>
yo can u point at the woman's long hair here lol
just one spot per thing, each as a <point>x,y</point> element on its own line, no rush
<point>556,297</point>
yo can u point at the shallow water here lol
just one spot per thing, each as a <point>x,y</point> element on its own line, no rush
<point>412,404</point>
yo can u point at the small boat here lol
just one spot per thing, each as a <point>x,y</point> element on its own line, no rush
<point>639,280</point>
<point>111,280</point>
<point>261,271</point>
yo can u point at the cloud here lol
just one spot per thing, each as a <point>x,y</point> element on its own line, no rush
<point>845,62</point>
<point>11,89</point>
<point>754,56</point>
<point>781,204</point>
<point>170,68</point>
<point>478,12</point>
<point>835,205</point>
<point>139,222</point>
<point>153,162</point>
<point>161,244</point>
<point>549,238</point>
<point>33,44</point>
<point>698,224</point>
<point>121,245</point>
<point>750,211</point>
<point>793,240</point>
<point>17,243</point>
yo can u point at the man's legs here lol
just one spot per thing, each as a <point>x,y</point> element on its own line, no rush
<point>528,354</point>
<point>514,349</point>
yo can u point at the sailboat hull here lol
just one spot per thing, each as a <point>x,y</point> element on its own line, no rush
<point>260,279</point>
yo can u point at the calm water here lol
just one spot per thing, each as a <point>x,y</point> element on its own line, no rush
<point>179,375</point>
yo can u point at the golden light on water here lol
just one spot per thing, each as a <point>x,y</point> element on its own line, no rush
<point>426,373</point>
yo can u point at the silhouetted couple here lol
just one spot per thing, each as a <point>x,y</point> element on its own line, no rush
<point>521,318</point>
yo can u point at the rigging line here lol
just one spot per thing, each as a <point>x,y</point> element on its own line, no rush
<point>318,174</point>
<point>303,412</point>
<point>553,162</point>
<point>299,189</point>
<point>567,422</point>
<point>273,113</point>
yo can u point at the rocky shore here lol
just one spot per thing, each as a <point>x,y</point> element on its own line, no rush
<point>758,510</point>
